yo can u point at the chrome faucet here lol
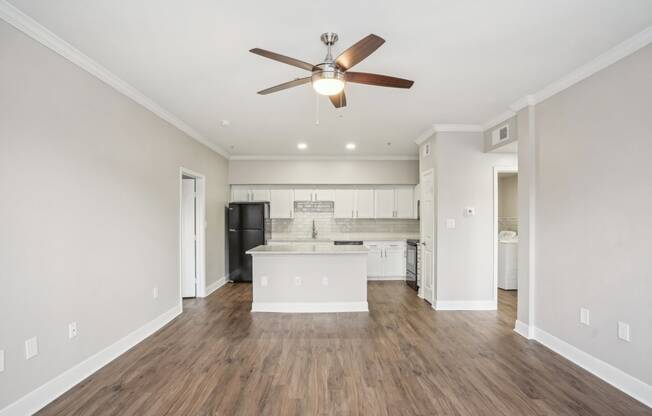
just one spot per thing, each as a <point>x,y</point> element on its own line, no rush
<point>314,230</point>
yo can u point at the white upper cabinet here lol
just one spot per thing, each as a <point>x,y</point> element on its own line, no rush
<point>324,195</point>
<point>385,202</point>
<point>239,193</point>
<point>281,203</point>
<point>364,207</point>
<point>344,203</point>
<point>404,202</point>
<point>302,194</point>
<point>245,193</point>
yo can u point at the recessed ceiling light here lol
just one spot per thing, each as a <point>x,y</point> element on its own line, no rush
<point>302,146</point>
<point>350,146</point>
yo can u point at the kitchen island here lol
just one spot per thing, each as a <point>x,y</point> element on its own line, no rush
<point>313,278</point>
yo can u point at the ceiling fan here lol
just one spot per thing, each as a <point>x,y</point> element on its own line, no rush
<point>328,78</point>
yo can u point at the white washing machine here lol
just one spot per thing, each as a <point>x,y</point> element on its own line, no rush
<point>508,260</point>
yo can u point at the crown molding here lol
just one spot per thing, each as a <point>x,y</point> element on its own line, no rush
<point>610,57</point>
<point>38,32</point>
<point>311,158</point>
<point>461,128</point>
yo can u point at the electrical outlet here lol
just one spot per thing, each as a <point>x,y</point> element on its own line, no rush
<point>585,316</point>
<point>450,223</point>
<point>297,280</point>
<point>72,330</point>
<point>469,211</point>
<point>155,293</point>
<point>263,281</point>
<point>623,331</point>
<point>31,348</point>
<point>2,361</point>
<point>324,281</point>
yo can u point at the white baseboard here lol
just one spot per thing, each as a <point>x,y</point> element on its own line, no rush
<point>214,286</point>
<point>39,398</point>
<point>383,278</point>
<point>465,305</point>
<point>522,329</point>
<point>612,375</point>
<point>309,307</point>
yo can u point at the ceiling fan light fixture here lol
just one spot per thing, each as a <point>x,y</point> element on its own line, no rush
<point>328,82</point>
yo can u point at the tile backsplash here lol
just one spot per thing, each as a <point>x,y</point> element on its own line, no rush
<point>322,213</point>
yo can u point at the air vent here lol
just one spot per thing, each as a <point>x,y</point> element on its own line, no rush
<point>499,135</point>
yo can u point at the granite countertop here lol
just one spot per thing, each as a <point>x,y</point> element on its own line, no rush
<point>308,249</point>
<point>349,237</point>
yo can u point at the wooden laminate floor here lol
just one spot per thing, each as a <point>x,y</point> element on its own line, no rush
<point>402,358</point>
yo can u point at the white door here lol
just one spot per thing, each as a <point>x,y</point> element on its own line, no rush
<point>259,194</point>
<point>394,264</point>
<point>303,194</point>
<point>364,206</point>
<point>239,193</point>
<point>384,202</point>
<point>405,202</point>
<point>188,240</point>
<point>324,195</point>
<point>428,235</point>
<point>344,203</point>
<point>374,259</point>
<point>281,203</point>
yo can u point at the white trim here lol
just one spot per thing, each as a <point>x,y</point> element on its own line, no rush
<point>213,287</point>
<point>499,119</point>
<point>612,375</point>
<point>309,307</point>
<point>532,196</point>
<point>425,135</point>
<point>200,224</point>
<point>40,397</point>
<point>385,278</point>
<point>36,31</point>
<point>610,57</point>
<point>297,157</point>
<point>462,128</point>
<point>522,329</point>
<point>465,305</point>
<point>497,171</point>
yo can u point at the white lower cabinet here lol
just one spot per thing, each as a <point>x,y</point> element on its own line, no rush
<point>386,259</point>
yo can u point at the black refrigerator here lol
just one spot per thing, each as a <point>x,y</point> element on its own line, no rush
<point>249,226</point>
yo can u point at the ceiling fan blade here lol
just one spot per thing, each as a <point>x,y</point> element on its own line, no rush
<point>359,51</point>
<point>338,100</point>
<point>285,85</point>
<point>378,80</point>
<point>283,58</point>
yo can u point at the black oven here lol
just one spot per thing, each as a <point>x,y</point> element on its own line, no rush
<point>411,263</point>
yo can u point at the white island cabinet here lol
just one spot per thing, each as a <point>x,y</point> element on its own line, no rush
<point>309,278</point>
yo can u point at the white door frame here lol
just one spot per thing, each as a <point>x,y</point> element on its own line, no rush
<point>200,222</point>
<point>498,170</point>
<point>421,293</point>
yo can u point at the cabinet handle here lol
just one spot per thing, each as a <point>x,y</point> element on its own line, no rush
<point>357,214</point>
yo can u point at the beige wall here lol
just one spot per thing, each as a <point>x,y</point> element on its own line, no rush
<point>327,172</point>
<point>89,212</point>
<point>593,213</point>
<point>465,175</point>
<point>508,196</point>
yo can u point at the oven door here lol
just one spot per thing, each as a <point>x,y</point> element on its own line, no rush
<point>411,260</point>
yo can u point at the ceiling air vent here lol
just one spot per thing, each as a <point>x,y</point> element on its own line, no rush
<point>500,134</point>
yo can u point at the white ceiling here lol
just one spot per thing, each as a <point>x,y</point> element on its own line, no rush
<point>469,61</point>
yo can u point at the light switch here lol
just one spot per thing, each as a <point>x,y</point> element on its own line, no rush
<point>31,348</point>
<point>623,331</point>
<point>450,223</point>
<point>469,211</point>
<point>584,316</point>
<point>72,330</point>
<point>155,293</point>
<point>297,280</point>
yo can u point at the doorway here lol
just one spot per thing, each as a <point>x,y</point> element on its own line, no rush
<point>191,234</point>
<point>506,239</point>
<point>428,289</point>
